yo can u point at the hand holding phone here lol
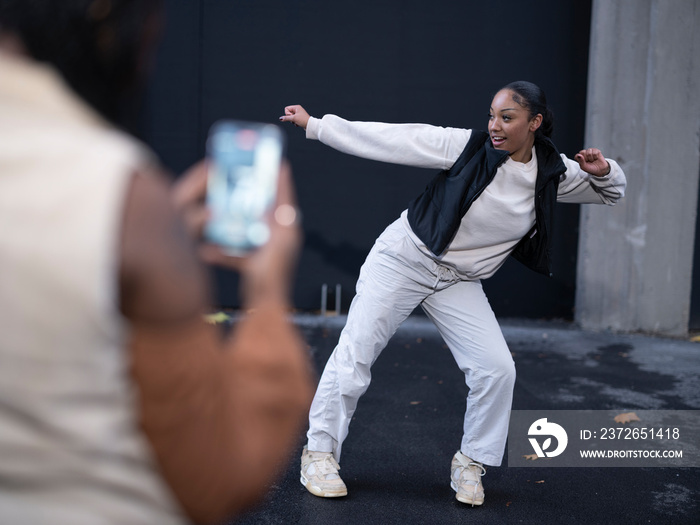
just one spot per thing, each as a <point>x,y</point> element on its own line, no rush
<point>267,273</point>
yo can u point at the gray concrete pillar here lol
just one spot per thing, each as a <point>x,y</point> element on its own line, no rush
<point>635,260</point>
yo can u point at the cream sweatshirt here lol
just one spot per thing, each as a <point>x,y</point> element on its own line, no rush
<point>499,217</point>
<point>71,447</point>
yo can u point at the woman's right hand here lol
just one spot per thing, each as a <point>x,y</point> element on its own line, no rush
<point>296,115</point>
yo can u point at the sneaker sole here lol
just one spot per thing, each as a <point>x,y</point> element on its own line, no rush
<point>316,491</point>
<point>466,499</point>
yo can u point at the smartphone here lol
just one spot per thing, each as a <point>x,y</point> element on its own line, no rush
<point>244,165</point>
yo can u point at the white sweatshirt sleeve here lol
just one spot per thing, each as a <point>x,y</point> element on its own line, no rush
<point>418,145</point>
<point>581,187</point>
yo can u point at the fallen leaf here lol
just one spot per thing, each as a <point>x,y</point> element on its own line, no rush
<point>508,503</point>
<point>415,402</point>
<point>627,417</point>
<point>532,457</point>
<point>540,481</point>
<point>419,340</point>
<point>217,318</point>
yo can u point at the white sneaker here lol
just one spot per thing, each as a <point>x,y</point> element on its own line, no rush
<point>319,474</point>
<point>466,479</point>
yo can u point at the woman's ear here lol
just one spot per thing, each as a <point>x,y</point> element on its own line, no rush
<point>535,122</point>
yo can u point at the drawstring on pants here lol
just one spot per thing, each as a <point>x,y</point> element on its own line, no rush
<point>444,274</point>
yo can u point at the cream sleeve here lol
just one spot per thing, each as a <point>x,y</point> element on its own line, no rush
<point>581,187</point>
<point>418,145</point>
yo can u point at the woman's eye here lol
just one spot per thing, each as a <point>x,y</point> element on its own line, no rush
<point>490,116</point>
<point>506,117</point>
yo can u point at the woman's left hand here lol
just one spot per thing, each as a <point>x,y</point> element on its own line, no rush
<point>592,161</point>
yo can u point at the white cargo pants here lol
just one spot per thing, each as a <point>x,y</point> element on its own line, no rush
<point>395,278</point>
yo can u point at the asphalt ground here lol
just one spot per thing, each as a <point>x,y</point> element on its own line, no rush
<point>396,460</point>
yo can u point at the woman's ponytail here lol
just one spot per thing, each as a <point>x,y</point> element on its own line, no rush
<point>532,97</point>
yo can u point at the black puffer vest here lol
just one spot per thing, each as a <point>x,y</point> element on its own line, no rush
<point>435,215</point>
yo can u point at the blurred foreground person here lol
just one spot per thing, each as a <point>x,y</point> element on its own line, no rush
<point>118,404</point>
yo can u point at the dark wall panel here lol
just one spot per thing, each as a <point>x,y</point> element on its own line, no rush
<point>172,113</point>
<point>694,320</point>
<point>437,62</point>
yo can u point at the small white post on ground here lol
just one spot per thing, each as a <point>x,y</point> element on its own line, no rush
<point>324,298</point>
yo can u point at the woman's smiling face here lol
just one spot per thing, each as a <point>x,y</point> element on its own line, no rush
<point>511,127</point>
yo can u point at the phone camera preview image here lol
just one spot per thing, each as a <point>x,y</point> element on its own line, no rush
<point>242,185</point>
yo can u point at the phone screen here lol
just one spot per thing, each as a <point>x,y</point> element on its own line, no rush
<point>244,167</point>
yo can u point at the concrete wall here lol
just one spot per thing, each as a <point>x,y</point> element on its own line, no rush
<point>635,260</point>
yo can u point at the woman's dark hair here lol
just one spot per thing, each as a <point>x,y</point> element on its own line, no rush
<point>97,45</point>
<point>531,97</point>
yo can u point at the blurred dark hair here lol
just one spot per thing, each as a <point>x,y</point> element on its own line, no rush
<point>532,97</point>
<point>98,46</point>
